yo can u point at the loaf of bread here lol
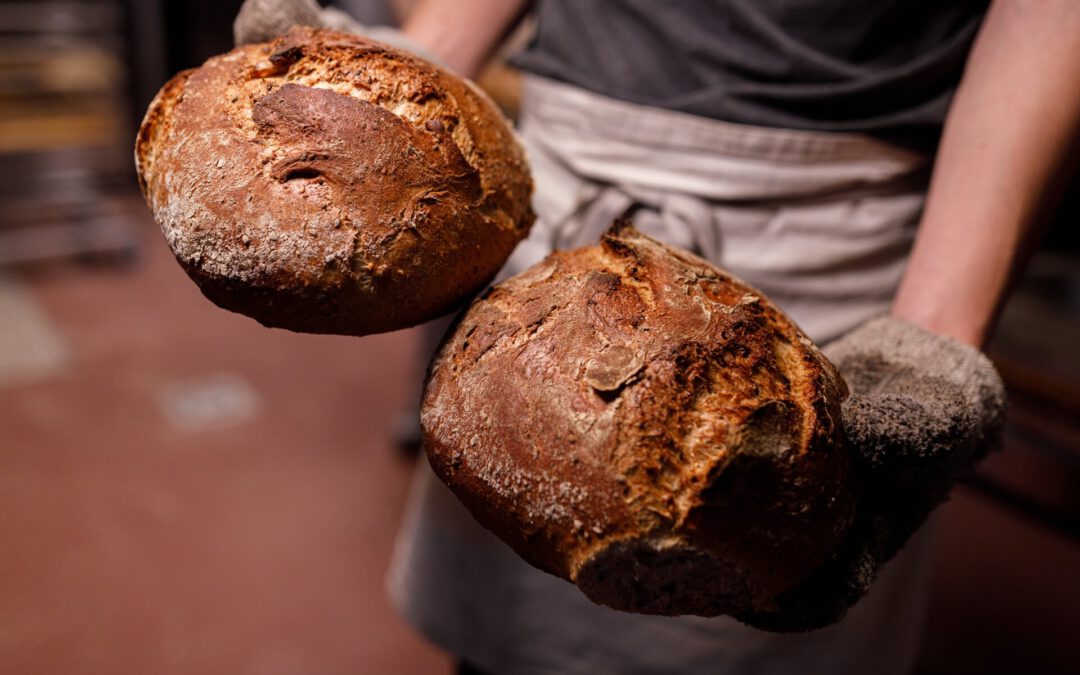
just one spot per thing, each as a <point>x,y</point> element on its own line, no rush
<point>634,420</point>
<point>326,183</point>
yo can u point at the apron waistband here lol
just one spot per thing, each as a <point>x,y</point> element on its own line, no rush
<point>615,119</point>
<point>622,143</point>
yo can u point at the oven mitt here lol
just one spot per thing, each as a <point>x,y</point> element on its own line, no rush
<point>263,20</point>
<point>923,410</point>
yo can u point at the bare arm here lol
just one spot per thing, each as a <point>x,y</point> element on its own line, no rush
<point>462,34</point>
<point>1000,167</point>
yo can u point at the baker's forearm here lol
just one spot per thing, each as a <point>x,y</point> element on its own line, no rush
<point>462,34</point>
<point>1005,146</point>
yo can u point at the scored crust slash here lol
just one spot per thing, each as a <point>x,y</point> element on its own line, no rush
<point>632,419</point>
<point>327,183</point>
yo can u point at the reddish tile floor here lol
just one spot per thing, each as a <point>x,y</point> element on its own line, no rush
<point>134,547</point>
<point>1004,596</point>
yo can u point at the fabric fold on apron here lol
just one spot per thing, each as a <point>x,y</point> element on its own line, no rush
<point>822,223</point>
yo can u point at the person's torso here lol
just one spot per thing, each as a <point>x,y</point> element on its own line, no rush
<point>888,68</point>
<point>820,223</point>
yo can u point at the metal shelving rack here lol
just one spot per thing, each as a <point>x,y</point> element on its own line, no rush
<point>64,130</point>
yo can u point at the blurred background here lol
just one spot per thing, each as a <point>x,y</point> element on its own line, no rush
<point>183,491</point>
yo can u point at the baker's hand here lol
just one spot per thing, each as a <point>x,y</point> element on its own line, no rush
<point>923,410</point>
<point>262,20</point>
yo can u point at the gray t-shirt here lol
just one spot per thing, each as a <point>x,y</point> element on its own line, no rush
<point>884,67</point>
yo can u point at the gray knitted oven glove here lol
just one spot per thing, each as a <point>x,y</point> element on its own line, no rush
<point>263,20</point>
<point>923,410</point>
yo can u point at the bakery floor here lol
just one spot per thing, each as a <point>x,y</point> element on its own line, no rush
<point>183,491</point>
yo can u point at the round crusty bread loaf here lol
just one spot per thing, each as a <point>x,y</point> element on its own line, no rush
<point>326,183</point>
<point>630,418</point>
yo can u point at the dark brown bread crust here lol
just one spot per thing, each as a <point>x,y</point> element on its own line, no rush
<point>632,419</point>
<point>326,183</point>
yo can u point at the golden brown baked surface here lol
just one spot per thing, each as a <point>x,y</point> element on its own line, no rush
<point>326,183</point>
<point>630,418</point>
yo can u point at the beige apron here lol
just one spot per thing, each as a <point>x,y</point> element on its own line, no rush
<point>822,224</point>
